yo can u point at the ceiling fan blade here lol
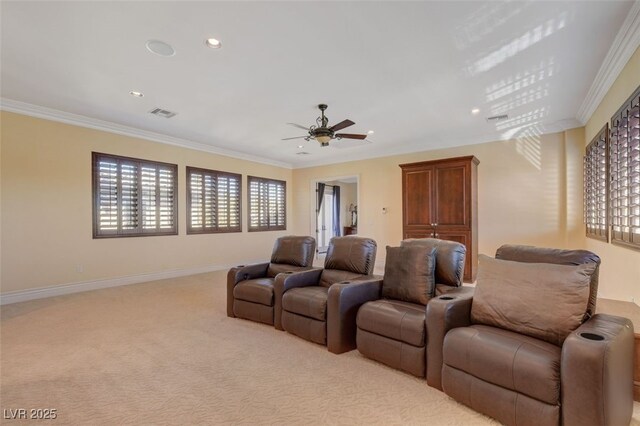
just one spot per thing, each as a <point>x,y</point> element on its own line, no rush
<point>299,126</point>
<point>350,136</point>
<point>297,137</point>
<point>341,125</point>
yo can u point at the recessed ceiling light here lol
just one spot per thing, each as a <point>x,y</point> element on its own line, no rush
<point>213,43</point>
<point>475,111</point>
<point>160,48</point>
<point>300,146</point>
<point>370,132</point>
<point>136,94</point>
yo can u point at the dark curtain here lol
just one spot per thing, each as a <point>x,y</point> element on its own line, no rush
<point>336,211</point>
<point>320,194</point>
<point>320,197</point>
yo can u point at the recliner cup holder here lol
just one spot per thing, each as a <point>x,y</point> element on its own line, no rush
<point>240,266</point>
<point>446,298</point>
<point>592,336</point>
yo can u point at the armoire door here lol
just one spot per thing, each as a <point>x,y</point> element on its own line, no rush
<point>452,194</point>
<point>417,188</point>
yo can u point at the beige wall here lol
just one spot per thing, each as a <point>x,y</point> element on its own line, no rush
<point>46,209</point>
<point>530,192</point>
<point>620,268</point>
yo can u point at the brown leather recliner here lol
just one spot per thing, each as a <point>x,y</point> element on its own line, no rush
<point>250,292</point>
<point>321,305</point>
<point>392,330</point>
<point>527,347</point>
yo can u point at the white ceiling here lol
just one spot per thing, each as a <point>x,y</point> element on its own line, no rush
<point>409,71</point>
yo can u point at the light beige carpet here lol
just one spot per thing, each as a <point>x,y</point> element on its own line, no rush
<point>164,352</point>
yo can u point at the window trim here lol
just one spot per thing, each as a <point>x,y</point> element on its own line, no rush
<point>217,229</point>
<point>626,239</point>
<point>603,234</point>
<point>95,188</point>
<point>250,228</point>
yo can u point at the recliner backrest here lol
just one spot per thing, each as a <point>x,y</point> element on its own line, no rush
<point>450,257</point>
<point>348,258</point>
<point>531,254</point>
<point>291,253</point>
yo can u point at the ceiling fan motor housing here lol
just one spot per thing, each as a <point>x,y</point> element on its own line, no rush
<point>323,134</point>
<point>321,131</point>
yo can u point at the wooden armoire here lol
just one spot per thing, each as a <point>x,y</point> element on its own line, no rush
<point>440,200</point>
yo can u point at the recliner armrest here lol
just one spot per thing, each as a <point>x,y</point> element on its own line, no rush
<point>286,281</point>
<point>444,313</point>
<point>343,302</point>
<point>597,372</point>
<point>241,273</point>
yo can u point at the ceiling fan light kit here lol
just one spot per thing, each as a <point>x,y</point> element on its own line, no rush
<point>322,133</point>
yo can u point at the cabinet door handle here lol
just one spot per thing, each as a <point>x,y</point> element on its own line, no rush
<point>436,235</point>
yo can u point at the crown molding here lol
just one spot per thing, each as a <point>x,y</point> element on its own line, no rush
<point>624,45</point>
<point>46,113</point>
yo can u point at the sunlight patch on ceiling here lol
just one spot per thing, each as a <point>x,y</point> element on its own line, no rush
<point>520,81</point>
<point>486,20</point>
<point>520,44</point>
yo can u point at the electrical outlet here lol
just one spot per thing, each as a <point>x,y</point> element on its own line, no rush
<point>79,268</point>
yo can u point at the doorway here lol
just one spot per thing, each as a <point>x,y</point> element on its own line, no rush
<point>325,219</point>
<point>335,210</point>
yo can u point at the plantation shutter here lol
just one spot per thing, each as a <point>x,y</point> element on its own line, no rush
<point>213,201</point>
<point>167,199</point>
<point>267,204</point>
<point>595,186</point>
<point>106,195</point>
<point>133,197</point>
<point>624,165</point>
<point>129,208</point>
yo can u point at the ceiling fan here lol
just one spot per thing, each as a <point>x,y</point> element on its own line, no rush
<point>322,133</point>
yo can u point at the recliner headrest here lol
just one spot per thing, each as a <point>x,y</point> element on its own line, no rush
<point>353,254</point>
<point>294,250</point>
<point>450,257</point>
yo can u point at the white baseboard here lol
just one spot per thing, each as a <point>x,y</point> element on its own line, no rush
<point>59,290</point>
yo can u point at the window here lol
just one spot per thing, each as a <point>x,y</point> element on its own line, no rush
<point>213,201</point>
<point>595,186</point>
<point>133,197</point>
<point>267,204</point>
<point>624,167</point>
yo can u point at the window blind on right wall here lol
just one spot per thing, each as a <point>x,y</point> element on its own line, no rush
<point>624,173</point>
<point>595,186</point>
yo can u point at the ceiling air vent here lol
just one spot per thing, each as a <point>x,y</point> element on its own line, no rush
<point>303,153</point>
<point>162,113</point>
<point>497,118</point>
